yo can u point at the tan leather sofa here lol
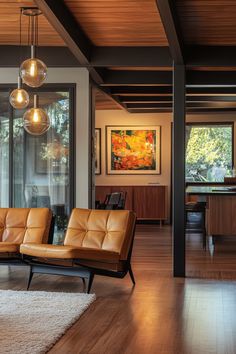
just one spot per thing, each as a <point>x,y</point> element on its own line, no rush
<point>96,242</point>
<point>22,225</point>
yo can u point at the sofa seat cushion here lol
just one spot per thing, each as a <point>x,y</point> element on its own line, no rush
<point>68,252</point>
<point>9,247</point>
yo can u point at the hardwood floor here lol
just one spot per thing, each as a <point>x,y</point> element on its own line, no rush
<point>161,314</point>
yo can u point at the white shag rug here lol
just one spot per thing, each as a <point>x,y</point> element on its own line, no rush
<point>31,322</point>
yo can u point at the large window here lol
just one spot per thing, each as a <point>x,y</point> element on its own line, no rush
<point>4,149</point>
<point>38,171</point>
<point>209,152</point>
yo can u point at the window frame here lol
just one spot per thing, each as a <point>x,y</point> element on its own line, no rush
<point>202,124</point>
<point>70,87</point>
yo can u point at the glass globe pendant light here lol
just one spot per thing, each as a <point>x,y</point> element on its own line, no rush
<point>19,98</point>
<point>36,120</point>
<point>33,71</point>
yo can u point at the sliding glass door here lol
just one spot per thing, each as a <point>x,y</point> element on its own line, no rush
<point>42,166</point>
<point>4,149</point>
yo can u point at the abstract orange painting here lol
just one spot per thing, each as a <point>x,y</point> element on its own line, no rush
<point>133,149</point>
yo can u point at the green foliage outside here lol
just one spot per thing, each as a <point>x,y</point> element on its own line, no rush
<point>208,152</point>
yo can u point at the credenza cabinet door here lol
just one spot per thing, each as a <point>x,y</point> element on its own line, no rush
<point>150,202</point>
<point>101,192</point>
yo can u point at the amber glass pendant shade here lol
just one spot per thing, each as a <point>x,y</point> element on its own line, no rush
<point>19,98</point>
<point>33,71</point>
<point>36,120</point>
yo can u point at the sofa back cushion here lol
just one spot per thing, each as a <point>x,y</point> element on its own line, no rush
<point>20,225</point>
<point>110,230</point>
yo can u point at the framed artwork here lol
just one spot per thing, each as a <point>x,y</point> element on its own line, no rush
<point>133,150</point>
<point>97,151</point>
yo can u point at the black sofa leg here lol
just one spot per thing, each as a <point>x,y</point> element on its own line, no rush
<point>90,282</point>
<point>131,274</point>
<point>84,284</point>
<point>30,278</point>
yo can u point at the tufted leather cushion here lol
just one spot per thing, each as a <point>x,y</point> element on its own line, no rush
<point>68,252</point>
<point>20,225</point>
<point>102,236</point>
<point>109,230</point>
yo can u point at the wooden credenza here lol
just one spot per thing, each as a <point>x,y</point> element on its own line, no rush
<point>221,211</point>
<point>148,202</point>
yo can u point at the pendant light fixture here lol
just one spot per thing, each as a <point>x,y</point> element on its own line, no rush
<point>36,120</point>
<point>19,98</point>
<point>33,71</point>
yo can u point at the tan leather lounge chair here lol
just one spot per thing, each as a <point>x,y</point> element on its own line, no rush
<point>21,225</point>
<point>96,242</point>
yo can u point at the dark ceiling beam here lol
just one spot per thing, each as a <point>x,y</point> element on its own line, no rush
<point>131,56</point>
<point>149,105</point>
<point>61,19</point>
<point>188,105</point>
<point>12,55</point>
<point>211,98</point>
<point>171,26</point>
<point>164,78</point>
<point>108,56</point>
<point>189,110</point>
<point>210,56</point>
<point>211,78</point>
<point>198,56</point>
<point>167,90</point>
<point>211,91</point>
<point>143,99</point>
<point>149,78</point>
<point>161,99</point>
<point>210,110</point>
<point>142,90</point>
<point>155,110</point>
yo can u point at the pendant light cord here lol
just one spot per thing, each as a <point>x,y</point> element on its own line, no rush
<point>20,56</point>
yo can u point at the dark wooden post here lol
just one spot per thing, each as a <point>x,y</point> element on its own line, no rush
<point>91,140</point>
<point>179,171</point>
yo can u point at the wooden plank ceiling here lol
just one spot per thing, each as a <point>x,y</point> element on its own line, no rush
<point>10,25</point>
<point>208,22</point>
<point>119,23</point>
<point>129,46</point>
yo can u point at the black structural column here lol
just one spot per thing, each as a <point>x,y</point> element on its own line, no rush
<point>178,178</point>
<point>91,172</point>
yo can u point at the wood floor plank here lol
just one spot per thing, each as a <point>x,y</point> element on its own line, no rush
<point>161,314</point>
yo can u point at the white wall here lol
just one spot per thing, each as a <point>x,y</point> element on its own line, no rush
<point>120,117</point>
<point>80,77</point>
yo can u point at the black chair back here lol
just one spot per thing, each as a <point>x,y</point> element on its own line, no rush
<point>113,201</point>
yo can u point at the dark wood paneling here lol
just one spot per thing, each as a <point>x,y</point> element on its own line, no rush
<point>221,215</point>
<point>150,202</point>
<point>101,192</point>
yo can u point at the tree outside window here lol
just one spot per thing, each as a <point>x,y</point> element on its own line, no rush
<point>209,152</point>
